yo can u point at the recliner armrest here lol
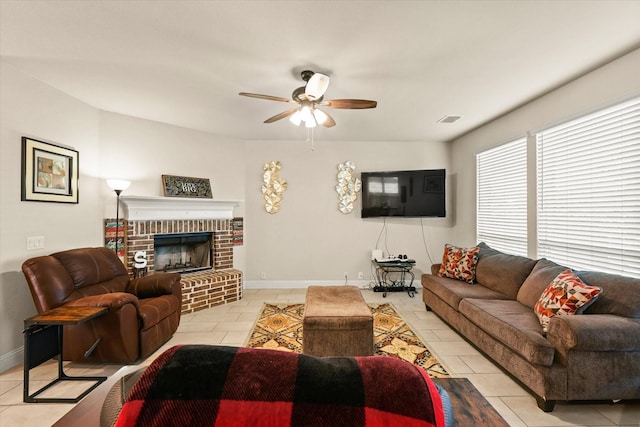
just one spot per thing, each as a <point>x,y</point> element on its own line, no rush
<point>156,285</point>
<point>594,332</point>
<point>113,300</point>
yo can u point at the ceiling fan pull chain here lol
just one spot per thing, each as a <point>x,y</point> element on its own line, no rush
<point>311,139</point>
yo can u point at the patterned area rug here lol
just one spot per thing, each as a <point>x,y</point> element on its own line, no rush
<point>280,327</point>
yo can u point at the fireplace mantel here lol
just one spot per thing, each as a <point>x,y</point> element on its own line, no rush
<point>166,208</point>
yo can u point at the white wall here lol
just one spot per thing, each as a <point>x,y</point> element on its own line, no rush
<point>612,83</point>
<point>30,108</point>
<point>141,151</point>
<point>309,239</point>
<point>109,145</point>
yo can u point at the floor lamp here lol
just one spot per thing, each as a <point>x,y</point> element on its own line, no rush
<point>118,185</point>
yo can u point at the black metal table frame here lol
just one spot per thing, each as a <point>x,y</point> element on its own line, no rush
<point>383,269</point>
<point>43,342</point>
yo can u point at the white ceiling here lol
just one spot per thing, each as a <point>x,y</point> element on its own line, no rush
<point>184,62</point>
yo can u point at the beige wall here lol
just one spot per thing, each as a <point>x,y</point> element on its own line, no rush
<point>110,145</point>
<point>141,151</point>
<point>30,108</point>
<point>614,82</point>
<point>310,240</point>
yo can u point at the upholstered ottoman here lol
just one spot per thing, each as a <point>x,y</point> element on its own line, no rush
<point>337,322</point>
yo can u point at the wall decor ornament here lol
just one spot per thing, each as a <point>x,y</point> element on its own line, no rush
<point>272,186</point>
<point>347,187</point>
<point>49,172</point>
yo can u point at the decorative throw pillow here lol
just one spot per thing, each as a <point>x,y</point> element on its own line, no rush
<point>459,263</point>
<point>566,294</point>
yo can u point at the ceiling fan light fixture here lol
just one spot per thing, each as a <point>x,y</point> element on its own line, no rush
<point>320,116</point>
<point>305,114</point>
<point>317,86</point>
<point>296,118</point>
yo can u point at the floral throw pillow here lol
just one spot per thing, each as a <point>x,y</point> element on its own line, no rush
<point>459,263</point>
<point>566,294</point>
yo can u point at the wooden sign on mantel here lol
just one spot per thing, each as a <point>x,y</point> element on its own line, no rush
<point>184,186</point>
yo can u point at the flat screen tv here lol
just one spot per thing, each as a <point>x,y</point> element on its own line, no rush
<point>417,193</point>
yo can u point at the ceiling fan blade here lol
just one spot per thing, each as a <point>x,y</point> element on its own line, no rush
<point>352,104</point>
<point>281,115</point>
<point>267,97</point>
<point>316,86</point>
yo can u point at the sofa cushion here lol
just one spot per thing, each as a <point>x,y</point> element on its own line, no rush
<point>459,263</point>
<point>620,294</point>
<point>541,275</point>
<point>453,291</point>
<point>502,272</point>
<point>513,324</point>
<point>565,295</point>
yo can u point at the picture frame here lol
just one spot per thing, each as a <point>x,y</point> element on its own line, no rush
<point>184,186</point>
<point>49,172</point>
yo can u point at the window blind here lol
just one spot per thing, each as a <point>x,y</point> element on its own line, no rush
<point>501,218</point>
<point>589,191</point>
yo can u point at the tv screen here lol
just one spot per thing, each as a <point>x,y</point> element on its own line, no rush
<point>418,193</point>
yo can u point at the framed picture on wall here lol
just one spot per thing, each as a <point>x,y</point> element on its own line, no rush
<point>49,172</point>
<point>185,186</point>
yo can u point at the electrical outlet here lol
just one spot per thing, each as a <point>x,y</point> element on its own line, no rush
<point>35,242</point>
<point>360,275</point>
<point>346,274</point>
<point>263,275</point>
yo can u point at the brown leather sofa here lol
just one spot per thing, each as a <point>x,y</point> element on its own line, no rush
<point>143,313</point>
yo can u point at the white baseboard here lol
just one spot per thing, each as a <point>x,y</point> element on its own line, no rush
<point>300,284</point>
<point>303,284</point>
<point>11,359</point>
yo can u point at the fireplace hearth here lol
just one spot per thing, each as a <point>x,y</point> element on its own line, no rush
<point>146,217</point>
<point>183,252</point>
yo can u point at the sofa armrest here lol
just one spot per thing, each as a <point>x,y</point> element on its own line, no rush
<point>156,285</point>
<point>435,268</point>
<point>594,332</point>
<point>113,300</point>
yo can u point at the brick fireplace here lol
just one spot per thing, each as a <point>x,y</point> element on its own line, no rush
<point>148,216</point>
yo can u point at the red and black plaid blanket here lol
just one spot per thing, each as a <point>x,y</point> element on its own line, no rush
<point>199,385</point>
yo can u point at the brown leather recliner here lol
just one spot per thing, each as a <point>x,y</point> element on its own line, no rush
<point>143,313</point>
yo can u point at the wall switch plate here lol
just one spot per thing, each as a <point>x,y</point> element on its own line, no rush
<point>35,242</point>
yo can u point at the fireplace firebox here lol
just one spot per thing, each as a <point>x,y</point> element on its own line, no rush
<point>183,252</point>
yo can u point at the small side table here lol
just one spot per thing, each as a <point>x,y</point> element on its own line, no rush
<point>386,269</point>
<point>43,341</point>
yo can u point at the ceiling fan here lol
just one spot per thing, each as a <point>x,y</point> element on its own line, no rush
<point>308,98</point>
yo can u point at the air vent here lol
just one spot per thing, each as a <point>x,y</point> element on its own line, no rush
<point>449,119</point>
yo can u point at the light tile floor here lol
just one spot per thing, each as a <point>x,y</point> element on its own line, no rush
<point>230,325</point>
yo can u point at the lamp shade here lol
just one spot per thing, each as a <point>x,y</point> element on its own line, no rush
<point>317,86</point>
<point>296,118</point>
<point>320,116</point>
<point>118,184</point>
